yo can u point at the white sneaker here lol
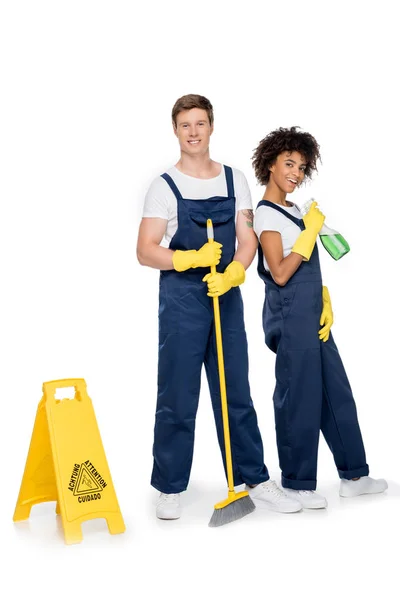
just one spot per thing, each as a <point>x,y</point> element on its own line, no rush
<point>168,506</point>
<point>307,498</point>
<point>364,485</point>
<point>273,497</point>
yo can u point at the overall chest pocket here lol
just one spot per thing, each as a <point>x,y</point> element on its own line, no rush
<point>218,216</point>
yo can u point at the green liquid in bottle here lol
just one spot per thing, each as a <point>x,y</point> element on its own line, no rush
<point>335,244</point>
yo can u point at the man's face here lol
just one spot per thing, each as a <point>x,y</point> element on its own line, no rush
<point>193,131</point>
<point>288,171</point>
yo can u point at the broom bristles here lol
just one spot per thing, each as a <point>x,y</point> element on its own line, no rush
<point>232,512</point>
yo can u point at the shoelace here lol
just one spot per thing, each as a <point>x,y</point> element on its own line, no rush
<point>270,486</point>
<point>168,498</point>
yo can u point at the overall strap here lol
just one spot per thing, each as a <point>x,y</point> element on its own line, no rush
<point>296,221</point>
<point>172,185</point>
<point>229,181</point>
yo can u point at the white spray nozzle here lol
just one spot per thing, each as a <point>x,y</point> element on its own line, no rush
<point>306,206</point>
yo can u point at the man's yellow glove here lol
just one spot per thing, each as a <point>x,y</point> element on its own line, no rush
<point>220,283</point>
<point>326,316</point>
<point>313,220</point>
<point>209,255</point>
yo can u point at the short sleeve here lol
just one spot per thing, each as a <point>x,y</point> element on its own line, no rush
<point>268,219</point>
<point>242,191</point>
<point>157,200</point>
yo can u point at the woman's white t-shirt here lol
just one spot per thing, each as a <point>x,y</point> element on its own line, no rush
<point>269,219</point>
<point>161,202</point>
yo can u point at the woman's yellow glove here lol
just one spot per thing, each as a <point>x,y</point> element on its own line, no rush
<point>220,283</point>
<point>209,255</point>
<point>326,316</point>
<point>313,220</point>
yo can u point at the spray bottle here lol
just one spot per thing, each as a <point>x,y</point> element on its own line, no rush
<point>332,240</point>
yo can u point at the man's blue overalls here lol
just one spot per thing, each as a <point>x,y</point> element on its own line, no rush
<point>187,340</point>
<point>312,391</point>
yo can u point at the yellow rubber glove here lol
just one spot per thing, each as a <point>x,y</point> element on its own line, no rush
<point>209,255</point>
<point>220,283</point>
<point>326,316</point>
<point>313,221</point>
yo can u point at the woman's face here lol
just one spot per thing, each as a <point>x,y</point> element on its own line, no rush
<point>288,171</point>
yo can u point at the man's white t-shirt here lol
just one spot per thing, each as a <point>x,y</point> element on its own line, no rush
<point>161,202</point>
<point>269,219</point>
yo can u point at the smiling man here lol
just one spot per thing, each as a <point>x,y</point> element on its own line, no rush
<point>173,239</point>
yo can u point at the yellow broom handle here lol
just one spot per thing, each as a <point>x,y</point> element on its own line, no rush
<point>221,370</point>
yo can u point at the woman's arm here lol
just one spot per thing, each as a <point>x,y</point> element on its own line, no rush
<point>281,268</point>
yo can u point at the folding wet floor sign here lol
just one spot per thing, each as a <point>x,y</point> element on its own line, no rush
<point>66,463</point>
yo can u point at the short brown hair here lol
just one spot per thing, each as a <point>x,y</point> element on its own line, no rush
<point>192,101</point>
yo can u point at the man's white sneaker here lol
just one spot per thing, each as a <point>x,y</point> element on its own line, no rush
<point>307,498</point>
<point>270,495</point>
<point>168,506</point>
<point>364,485</point>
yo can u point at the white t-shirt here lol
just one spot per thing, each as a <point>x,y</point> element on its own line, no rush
<point>269,219</point>
<point>161,202</point>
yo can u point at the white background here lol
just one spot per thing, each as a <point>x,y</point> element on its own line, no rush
<point>87,90</point>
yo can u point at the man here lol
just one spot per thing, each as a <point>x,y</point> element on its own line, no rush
<point>176,209</point>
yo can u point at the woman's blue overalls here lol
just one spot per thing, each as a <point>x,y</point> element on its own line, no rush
<point>187,340</point>
<point>312,391</point>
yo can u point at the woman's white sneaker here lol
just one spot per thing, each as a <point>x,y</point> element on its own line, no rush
<point>169,506</point>
<point>364,485</point>
<point>271,496</point>
<point>307,498</point>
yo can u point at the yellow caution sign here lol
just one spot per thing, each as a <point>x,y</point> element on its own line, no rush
<point>66,462</point>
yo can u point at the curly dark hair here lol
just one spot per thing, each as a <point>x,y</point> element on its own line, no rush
<point>285,140</point>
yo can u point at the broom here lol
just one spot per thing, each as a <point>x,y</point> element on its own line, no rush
<point>236,505</point>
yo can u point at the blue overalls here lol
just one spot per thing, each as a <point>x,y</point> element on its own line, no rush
<point>312,391</point>
<point>187,340</point>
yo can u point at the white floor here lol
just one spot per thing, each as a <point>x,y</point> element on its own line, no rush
<point>88,91</point>
<point>349,550</point>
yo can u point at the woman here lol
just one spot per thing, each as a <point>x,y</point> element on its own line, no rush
<point>312,391</point>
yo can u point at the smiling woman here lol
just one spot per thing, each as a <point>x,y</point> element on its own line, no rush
<point>312,391</point>
<point>285,142</point>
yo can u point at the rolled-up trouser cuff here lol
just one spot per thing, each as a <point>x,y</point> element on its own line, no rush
<point>295,484</point>
<point>361,472</point>
<point>254,483</point>
<point>163,489</point>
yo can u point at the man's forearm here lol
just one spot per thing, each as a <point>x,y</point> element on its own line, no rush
<point>245,253</point>
<point>155,256</point>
